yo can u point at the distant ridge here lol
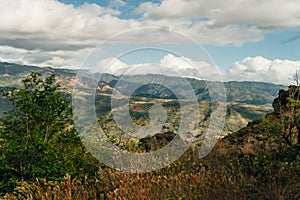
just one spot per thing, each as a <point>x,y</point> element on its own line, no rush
<point>257,93</point>
<point>246,101</point>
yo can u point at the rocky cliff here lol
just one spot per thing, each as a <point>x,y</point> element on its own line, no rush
<point>280,103</point>
<point>266,134</point>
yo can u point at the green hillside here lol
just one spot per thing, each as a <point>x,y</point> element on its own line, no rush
<point>247,101</point>
<point>242,92</point>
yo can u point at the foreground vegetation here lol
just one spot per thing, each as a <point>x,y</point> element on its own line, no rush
<point>43,158</point>
<point>247,178</point>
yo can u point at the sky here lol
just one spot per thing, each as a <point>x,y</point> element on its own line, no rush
<point>243,40</point>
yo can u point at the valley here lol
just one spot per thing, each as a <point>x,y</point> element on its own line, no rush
<point>246,101</point>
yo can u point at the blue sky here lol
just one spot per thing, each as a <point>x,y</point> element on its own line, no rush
<point>126,11</point>
<point>247,39</point>
<point>275,45</point>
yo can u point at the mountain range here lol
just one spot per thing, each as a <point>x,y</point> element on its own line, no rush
<point>246,101</point>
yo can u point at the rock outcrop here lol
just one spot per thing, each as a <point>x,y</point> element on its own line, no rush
<point>157,141</point>
<point>266,134</point>
<point>281,101</point>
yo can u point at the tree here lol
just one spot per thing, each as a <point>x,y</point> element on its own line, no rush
<point>37,137</point>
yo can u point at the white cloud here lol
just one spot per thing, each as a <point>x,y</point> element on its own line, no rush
<point>169,65</point>
<point>271,13</point>
<point>50,33</point>
<point>264,70</point>
<point>11,50</point>
<point>110,65</point>
<point>249,69</point>
<point>58,58</point>
<point>220,22</point>
<point>118,3</point>
<point>36,29</point>
<point>46,32</point>
<point>187,67</point>
<point>49,24</point>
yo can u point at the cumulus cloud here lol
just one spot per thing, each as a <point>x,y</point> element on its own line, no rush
<point>56,58</point>
<point>254,12</point>
<point>49,24</point>
<point>221,22</point>
<point>58,32</point>
<point>111,66</point>
<point>264,70</point>
<point>258,69</point>
<point>33,31</point>
<point>169,65</point>
<point>188,67</point>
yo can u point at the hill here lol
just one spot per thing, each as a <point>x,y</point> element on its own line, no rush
<point>247,101</point>
<point>277,131</point>
<point>256,93</point>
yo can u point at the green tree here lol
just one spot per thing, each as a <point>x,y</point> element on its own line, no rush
<point>37,137</point>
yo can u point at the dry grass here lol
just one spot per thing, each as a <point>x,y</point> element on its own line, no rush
<point>187,178</point>
<point>221,183</point>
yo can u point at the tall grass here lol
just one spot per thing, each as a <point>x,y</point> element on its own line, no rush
<point>185,179</point>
